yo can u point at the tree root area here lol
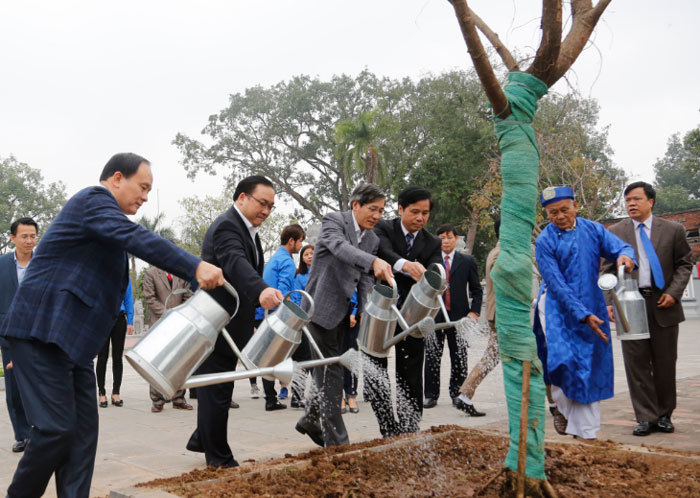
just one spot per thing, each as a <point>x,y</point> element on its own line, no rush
<point>446,461</point>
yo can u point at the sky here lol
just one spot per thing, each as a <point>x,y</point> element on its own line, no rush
<point>81,80</point>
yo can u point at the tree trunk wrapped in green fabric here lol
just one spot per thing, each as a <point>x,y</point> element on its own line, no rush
<point>512,273</point>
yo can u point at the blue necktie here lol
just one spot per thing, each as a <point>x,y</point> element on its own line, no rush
<point>654,262</point>
<point>409,242</point>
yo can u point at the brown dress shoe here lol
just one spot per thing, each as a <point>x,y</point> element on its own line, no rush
<point>183,406</point>
<point>560,421</point>
<point>157,408</point>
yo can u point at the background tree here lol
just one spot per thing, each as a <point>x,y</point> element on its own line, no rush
<point>288,133</point>
<point>23,193</point>
<point>157,225</point>
<point>678,174</point>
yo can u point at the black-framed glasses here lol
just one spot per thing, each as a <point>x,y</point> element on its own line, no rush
<point>263,204</point>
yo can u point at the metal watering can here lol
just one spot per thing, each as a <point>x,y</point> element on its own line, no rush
<point>181,340</point>
<point>425,299</point>
<point>629,306</point>
<point>378,321</point>
<point>279,335</point>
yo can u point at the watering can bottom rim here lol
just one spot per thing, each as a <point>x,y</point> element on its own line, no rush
<point>150,374</point>
<point>633,337</point>
<point>376,354</point>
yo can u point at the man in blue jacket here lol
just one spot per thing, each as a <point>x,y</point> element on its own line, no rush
<point>279,273</point>
<point>13,266</point>
<point>63,312</point>
<point>571,320</point>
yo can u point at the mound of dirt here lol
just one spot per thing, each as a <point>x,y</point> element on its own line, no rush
<point>445,461</point>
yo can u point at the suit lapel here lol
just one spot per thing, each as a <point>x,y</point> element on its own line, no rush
<point>456,262</point>
<point>656,233</point>
<point>261,254</point>
<point>251,248</point>
<point>350,228</point>
<point>628,233</point>
<point>399,236</point>
<point>418,242</point>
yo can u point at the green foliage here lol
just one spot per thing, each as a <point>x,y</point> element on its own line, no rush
<point>674,198</point>
<point>201,213</point>
<point>23,193</point>
<point>678,173</point>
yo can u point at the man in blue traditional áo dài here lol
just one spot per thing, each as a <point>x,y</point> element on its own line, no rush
<point>571,319</point>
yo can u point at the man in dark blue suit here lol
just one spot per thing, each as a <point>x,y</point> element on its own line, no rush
<point>232,243</point>
<point>63,312</point>
<point>461,273</point>
<point>13,266</point>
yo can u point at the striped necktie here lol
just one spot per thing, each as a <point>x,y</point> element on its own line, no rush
<point>409,242</point>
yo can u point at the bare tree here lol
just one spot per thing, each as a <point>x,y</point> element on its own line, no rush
<point>514,107</point>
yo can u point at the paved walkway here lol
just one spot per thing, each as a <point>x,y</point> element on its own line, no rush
<point>136,445</point>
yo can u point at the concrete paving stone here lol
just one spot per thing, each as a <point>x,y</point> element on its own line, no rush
<point>136,445</point>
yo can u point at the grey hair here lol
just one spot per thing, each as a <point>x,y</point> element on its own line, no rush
<point>365,193</point>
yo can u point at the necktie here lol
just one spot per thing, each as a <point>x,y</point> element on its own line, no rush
<point>409,242</point>
<point>654,263</point>
<point>170,279</point>
<point>447,291</point>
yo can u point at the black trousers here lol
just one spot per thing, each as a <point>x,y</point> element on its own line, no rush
<point>650,366</point>
<point>433,359</point>
<point>323,407</point>
<point>409,389</point>
<point>116,337</point>
<point>213,404</point>
<point>350,342</point>
<point>15,408</point>
<point>59,398</point>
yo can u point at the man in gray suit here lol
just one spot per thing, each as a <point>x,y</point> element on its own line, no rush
<point>344,259</point>
<point>663,254</point>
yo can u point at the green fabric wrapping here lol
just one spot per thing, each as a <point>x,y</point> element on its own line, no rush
<point>512,273</point>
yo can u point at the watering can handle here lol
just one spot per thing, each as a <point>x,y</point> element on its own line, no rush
<point>230,289</point>
<point>394,287</point>
<point>439,269</point>
<point>621,273</point>
<point>173,293</point>
<point>303,293</point>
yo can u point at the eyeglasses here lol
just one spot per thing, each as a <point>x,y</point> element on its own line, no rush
<point>263,204</point>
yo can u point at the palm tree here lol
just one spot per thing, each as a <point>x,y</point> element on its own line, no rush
<point>358,140</point>
<point>157,226</point>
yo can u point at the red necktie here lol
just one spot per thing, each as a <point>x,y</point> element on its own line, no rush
<point>447,292</point>
<point>170,278</point>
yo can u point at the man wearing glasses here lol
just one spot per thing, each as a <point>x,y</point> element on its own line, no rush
<point>233,243</point>
<point>23,234</point>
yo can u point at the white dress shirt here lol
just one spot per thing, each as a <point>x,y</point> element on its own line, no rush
<point>643,261</point>
<point>450,255</point>
<point>252,230</point>
<point>398,266</point>
<point>359,233</point>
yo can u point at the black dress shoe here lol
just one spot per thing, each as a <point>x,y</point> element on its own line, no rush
<point>194,445</point>
<point>104,404</point>
<point>644,429</point>
<point>664,424</point>
<point>119,402</point>
<point>297,403</point>
<point>271,406</point>
<point>19,446</point>
<point>468,409</point>
<point>230,465</point>
<point>429,403</point>
<point>315,435</point>
<point>233,404</point>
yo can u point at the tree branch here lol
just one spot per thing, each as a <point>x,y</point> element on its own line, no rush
<point>492,88</point>
<point>585,18</point>
<point>493,38</point>
<point>548,51</point>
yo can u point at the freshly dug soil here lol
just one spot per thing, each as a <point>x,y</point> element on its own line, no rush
<point>444,461</point>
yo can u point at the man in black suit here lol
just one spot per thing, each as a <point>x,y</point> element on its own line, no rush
<point>409,248</point>
<point>232,244</point>
<point>461,271</point>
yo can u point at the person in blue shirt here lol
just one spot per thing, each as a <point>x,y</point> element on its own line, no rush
<point>279,274</point>
<point>303,352</point>
<point>571,317</point>
<point>124,325</point>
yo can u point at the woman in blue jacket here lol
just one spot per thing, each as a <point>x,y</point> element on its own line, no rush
<point>303,352</point>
